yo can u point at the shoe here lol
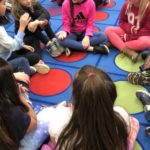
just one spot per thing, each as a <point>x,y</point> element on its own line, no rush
<point>42,68</point>
<point>102,49</point>
<point>132,54</point>
<point>145,54</point>
<point>52,49</point>
<point>147,131</point>
<point>32,70</point>
<point>143,96</point>
<point>141,78</point>
<point>109,45</point>
<point>63,49</point>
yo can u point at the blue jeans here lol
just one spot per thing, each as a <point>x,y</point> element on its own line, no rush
<point>20,64</point>
<point>74,40</point>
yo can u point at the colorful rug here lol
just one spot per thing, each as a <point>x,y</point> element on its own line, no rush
<point>55,87</point>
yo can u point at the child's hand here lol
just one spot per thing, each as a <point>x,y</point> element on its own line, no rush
<point>24,20</point>
<point>43,23</point>
<point>22,89</point>
<point>21,76</point>
<point>28,47</point>
<point>61,35</point>
<point>86,42</point>
<point>32,26</point>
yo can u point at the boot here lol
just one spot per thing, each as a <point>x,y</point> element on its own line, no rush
<point>132,54</point>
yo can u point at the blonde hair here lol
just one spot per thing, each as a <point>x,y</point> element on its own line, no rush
<point>142,7</point>
<point>17,10</point>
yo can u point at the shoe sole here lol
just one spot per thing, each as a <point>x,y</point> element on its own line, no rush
<point>107,49</point>
<point>42,69</point>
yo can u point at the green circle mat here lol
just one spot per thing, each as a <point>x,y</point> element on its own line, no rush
<point>126,97</point>
<point>125,63</point>
<point>137,146</point>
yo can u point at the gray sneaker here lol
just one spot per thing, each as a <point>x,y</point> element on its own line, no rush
<point>53,50</point>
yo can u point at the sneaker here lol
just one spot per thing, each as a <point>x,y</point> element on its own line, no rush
<point>102,49</point>
<point>147,131</point>
<point>142,78</point>
<point>52,49</point>
<point>42,68</point>
<point>143,96</point>
<point>63,49</point>
<point>32,70</point>
<point>145,54</point>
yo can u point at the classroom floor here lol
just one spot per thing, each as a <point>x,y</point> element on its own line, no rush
<point>55,86</point>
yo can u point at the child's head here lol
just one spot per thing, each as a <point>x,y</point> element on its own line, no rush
<point>94,124</point>
<point>92,85</point>
<point>2,7</point>
<point>18,7</point>
<point>9,97</point>
<point>142,4</point>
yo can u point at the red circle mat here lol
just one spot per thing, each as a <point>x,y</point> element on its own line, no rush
<point>54,82</point>
<point>75,56</point>
<point>101,16</point>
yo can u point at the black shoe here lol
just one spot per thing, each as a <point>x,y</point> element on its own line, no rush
<point>147,131</point>
<point>102,49</point>
<point>143,96</point>
<point>145,54</point>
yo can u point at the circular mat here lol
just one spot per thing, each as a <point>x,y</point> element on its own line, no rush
<point>55,82</point>
<point>100,15</point>
<point>127,98</point>
<point>137,146</point>
<point>125,63</point>
<point>75,56</point>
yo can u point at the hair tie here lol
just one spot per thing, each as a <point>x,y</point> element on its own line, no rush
<point>90,74</point>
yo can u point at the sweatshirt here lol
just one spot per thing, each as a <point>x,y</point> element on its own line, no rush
<point>131,19</point>
<point>9,44</point>
<point>84,15</point>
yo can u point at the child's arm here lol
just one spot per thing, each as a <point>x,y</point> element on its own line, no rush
<point>123,21</point>
<point>90,21</point>
<point>16,42</point>
<point>66,17</point>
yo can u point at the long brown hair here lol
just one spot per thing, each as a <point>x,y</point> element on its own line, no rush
<point>9,96</point>
<point>143,5</point>
<point>94,125</point>
<point>17,10</point>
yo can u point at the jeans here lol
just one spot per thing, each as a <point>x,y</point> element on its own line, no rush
<point>74,40</point>
<point>20,64</point>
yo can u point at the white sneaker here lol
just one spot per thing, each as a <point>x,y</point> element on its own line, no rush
<point>42,68</point>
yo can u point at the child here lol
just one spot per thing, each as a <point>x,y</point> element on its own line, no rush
<point>78,18</point>
<point>9,46</point>
<point>95,122</point>
<point>17,117</point>
<point>133,33</point>
<point>39,21</point>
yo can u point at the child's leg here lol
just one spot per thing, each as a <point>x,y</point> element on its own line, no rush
<point>114,36</point>
<point>20,64</point>
<point>98,38</point>
<point>72,43</point>
<point>142,43</point>
<point>49,31</point>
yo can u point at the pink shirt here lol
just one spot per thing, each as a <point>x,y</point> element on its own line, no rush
<point>84,15</point>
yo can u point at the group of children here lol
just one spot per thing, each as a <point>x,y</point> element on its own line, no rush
<point>88,118</point>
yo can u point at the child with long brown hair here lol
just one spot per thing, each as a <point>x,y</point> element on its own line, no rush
<point>95,123</point>
<point>39,22</point>
<point>133,33</point>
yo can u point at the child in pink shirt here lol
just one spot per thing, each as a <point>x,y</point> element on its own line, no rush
<point>77,33</point>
